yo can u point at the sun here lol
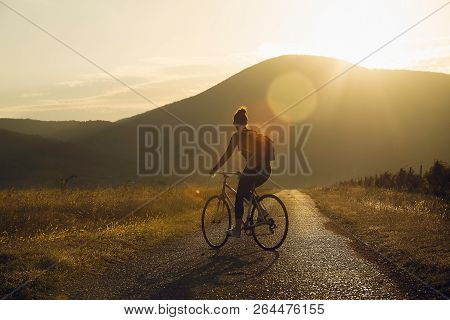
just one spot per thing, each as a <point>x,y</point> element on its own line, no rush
<point>349,30</point>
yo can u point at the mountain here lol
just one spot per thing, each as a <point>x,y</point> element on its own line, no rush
<point>364,122</point>
<point>33,160</point>
<point>60,130</point>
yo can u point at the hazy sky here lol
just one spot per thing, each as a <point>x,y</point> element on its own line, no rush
<point>169,50</point>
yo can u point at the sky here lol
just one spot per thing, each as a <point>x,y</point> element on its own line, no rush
<point>170,50</point>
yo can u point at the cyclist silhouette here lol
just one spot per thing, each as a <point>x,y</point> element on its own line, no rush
<point>257,169</point>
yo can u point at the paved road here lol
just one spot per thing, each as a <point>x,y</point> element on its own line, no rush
<point>314,263</point>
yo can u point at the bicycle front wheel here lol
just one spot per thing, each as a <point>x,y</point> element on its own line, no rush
<point>271,225</point>
<point>216,220</point>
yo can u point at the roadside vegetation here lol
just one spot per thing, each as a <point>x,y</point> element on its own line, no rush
<point>436,181</point>
<point>86,230</point>
<point>410,228</point>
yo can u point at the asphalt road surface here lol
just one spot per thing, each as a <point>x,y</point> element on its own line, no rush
<point>315,262</point>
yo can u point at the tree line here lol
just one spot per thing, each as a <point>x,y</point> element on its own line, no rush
<point>435,181</point>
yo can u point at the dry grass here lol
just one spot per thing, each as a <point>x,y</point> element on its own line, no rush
<point>411,229</point>
<point>86,230</point>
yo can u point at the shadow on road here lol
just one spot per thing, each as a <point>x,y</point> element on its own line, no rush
<point>221,270</point>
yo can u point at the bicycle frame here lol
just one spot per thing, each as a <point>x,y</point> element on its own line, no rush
<point>254,198</point>
<point>262,217</point>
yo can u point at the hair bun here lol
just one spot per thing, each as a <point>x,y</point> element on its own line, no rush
<point>240,117</point>
<point>242,111</point>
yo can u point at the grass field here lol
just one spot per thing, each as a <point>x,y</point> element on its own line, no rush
<point>411,229</point>
<point>85,230</point>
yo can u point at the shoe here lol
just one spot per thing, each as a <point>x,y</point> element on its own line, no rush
<point>236,233</point>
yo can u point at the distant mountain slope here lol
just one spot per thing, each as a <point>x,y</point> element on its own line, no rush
<point>60,130</point>
<point>365,122</point>
<point>33,160</point>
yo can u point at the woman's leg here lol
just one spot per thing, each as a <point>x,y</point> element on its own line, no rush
<point>262,177</point>
<point>243,191</point>
<point>247,181</point>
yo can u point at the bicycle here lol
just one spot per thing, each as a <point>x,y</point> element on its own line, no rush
<point>266,218</point>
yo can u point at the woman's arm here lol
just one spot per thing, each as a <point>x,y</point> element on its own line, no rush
<point>227,154</point>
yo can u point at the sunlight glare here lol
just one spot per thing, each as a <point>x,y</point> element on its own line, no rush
<point>286,90</point>
<point>349,30</point>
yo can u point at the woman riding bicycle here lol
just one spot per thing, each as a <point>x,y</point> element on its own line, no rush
<point>257,169</point>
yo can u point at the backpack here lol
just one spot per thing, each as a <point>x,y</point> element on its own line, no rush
<point>267,147</point>
<point>259,145</point>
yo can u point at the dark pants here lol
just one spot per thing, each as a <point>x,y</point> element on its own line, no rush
<point>248,180</point>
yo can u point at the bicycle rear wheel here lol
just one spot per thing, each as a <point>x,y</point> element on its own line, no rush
<point>216,220</point>
<point>270,231</point>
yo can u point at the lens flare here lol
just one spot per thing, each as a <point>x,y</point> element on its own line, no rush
<point>286,90</point>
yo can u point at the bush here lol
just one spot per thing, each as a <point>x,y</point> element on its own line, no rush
<point>438,179</point>
<point>435,181</point>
